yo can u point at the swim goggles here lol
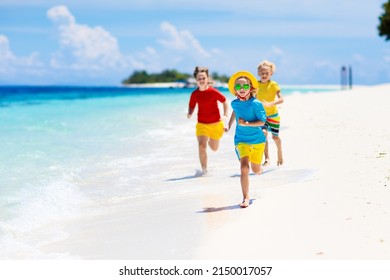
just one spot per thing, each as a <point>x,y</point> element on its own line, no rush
<point>244,86</point>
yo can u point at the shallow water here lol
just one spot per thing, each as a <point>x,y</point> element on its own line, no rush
<point>75,152</point>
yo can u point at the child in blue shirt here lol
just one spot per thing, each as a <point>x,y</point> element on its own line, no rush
<point>249,139</point>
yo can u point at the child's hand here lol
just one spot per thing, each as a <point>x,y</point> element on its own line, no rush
<point>241,121</point>
<point>225,123</point>
<point>265,103</point>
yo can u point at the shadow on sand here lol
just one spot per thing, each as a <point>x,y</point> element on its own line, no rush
<point>254,174</point>
<point>197,174</point>
<point>223,208</point>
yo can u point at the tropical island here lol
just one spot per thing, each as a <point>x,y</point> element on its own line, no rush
<point>169,78</point>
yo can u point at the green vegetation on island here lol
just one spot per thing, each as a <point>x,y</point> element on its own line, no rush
<point>166,76</point>
<point>384,21</point>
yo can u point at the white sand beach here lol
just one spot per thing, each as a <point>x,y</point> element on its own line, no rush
<point>340,210</point>
<point>330,200</point>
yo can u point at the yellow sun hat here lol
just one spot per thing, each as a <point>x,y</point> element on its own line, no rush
<point>235,76</point>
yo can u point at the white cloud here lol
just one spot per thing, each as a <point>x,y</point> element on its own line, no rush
<point>61,16</point>
<point>149,60</point>
<point>179,49</point>
<point>181,40</point>
<point>12,64</point>
<point>84,47</point>
<point>5,52</point>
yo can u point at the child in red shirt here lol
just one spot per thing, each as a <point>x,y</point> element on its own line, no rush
<point>210,127</point>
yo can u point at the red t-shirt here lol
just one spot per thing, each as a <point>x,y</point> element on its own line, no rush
<point>208,111</point>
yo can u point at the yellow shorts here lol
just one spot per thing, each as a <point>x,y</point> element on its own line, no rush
<point>253,151</point>
<point>212,130</point>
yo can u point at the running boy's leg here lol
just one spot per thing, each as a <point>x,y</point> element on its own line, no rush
<point>266,154</point>
<point>256,157</point>
<point>244,179</point>
<point>278,143</point>
<point>256,168</point>
<point>215,133</point>
<point>202,143</point>
<point>214,144</point>
<point>274,124</point>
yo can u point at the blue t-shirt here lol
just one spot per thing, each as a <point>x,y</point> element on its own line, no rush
<point>250,110</point>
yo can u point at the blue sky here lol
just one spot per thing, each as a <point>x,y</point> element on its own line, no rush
<point>85,42</point>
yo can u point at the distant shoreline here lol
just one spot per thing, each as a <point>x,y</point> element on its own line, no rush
<point>171,85</point>
<point>182,85</point>
<point>158,85</point>
<point>224,85</point>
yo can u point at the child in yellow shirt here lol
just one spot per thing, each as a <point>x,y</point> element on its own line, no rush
<point>269,94</point>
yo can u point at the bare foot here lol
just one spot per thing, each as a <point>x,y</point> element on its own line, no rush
<point>266,162</point>
<point>258,173</point>
<point>244,203</point>
<point>280,159</point>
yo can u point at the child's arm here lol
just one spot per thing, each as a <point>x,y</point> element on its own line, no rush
<point>260,116</point>
<point>225,108</point>
<point>278,100</point>
<point>232,118</point>
<point>246,123</point>
<point>190,111</point>
<point>192,105</point>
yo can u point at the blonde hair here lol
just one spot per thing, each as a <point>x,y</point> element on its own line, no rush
<point>266,64</point>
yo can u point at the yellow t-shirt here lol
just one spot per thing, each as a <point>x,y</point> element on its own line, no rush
<point>268,92</point>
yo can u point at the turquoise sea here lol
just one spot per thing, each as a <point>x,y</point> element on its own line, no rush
<point>62,148</point>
